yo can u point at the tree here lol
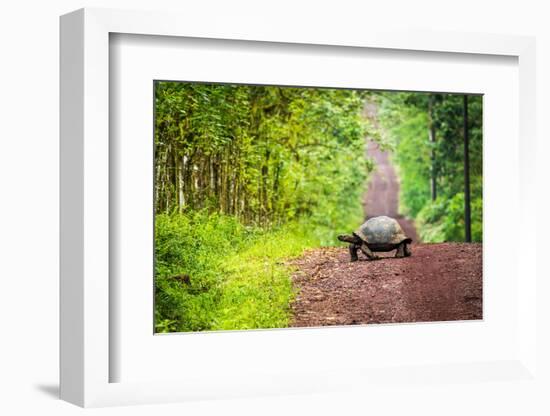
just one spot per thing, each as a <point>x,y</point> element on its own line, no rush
<point>467,207</point>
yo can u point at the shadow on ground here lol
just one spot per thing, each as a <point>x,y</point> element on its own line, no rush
<point>51,390</point>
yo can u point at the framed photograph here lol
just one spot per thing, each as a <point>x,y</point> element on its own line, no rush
<point>274,212</point>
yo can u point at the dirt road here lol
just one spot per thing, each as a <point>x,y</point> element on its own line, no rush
<point>439,282</point>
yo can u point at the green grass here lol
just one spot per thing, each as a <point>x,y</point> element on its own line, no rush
<point>257,289</point>
<point>237,277</point>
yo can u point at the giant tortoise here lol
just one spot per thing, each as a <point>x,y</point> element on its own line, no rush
<point>380,234</point>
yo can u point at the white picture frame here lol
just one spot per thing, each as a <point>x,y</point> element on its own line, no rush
<point>86,356</point>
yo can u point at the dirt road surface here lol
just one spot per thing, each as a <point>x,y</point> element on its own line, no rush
<point>439,282</point>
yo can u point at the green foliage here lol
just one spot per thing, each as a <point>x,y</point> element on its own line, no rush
<point>264,154</point>
<point>408,119</point>
<point>247,177</point>
<point>443,220</point>
<point>191,245</point>
<point>412,157</point>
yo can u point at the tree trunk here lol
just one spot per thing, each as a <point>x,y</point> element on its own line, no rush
<point>181,193</point>
<point>467,214</point>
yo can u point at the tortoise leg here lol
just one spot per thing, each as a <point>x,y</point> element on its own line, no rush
<point>407,250</point>
<point>400,252</point>
<point>353,252</point>
<point>367,252</point>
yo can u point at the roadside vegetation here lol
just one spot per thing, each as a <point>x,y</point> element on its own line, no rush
<point>247,177</point>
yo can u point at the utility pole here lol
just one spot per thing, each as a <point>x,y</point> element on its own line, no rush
<point>431,133</point>
<point>467,212</point>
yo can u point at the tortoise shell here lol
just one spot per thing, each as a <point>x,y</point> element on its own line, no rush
<point>381,230</point>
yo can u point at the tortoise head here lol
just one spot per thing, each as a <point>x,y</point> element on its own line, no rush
<point>349,238</point>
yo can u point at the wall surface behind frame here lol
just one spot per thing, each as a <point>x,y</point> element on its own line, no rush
<point>29,171</point>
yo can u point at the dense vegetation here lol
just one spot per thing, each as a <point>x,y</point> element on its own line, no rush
<point>246,177</point>
<point>264,155</point>
<point>427,135</point>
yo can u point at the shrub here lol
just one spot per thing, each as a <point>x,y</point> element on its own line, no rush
<point>443,220</point>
